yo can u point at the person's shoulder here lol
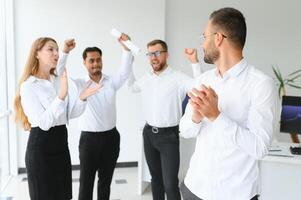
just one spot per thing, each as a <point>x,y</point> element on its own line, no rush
<point>147,75</point>
<point>79,82</point>
<point>207,74</point>
<point>210,72</point>
<point>105,76</point>
<point>258,75</point>
<point>28,84</point>
<point>179,75</point>
<point>29,81</point>
<point>259,79</point>
<point>177,72</point>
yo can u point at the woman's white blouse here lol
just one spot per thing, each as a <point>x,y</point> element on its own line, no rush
<point>43,107</point>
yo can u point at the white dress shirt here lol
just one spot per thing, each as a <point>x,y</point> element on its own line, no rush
<point>224,164</point>
<point>163,94</point>
<point>100,112</point>
<point>41,104</point>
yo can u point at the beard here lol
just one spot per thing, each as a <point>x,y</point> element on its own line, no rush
<point>211,55</point>
<point>159,67</point>
<point>95,71</point>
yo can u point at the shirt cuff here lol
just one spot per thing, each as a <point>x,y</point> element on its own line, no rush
<point>126,53</point>
<point>222,122</point>
<point>196,66</point>
<point>58,107</point>
<point>64,56</point>
<point>196,126</point>
<point>81,102</point>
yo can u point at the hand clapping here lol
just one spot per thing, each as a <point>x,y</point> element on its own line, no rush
<point>204,103</point>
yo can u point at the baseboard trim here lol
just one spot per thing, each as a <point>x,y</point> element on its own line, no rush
<point>22,170</point>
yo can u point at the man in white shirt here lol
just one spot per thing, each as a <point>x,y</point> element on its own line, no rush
<point>232,112</point>
<point>163,89</point>
<point>100,140</point>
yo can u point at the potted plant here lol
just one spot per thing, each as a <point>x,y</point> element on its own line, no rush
<point>289,80</point>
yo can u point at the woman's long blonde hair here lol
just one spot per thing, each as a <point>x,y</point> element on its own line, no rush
<point>31,68</point>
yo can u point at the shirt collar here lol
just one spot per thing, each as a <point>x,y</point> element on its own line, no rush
<point>235,70</point>
<point>166,71</point>
<point>103,77</point>
<point>32,79</point>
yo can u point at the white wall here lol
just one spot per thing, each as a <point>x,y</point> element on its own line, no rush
<point>90,23</point>
<point>272,36</point>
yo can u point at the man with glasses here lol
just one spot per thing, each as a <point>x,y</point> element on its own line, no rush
<point>163,90</point>
<point>232,112</point>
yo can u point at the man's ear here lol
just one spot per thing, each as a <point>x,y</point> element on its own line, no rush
<point>219,39</point>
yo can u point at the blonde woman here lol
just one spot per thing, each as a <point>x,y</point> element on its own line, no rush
<point>41,107</point>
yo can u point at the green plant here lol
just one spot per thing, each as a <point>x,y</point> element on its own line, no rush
<point>289,80</point>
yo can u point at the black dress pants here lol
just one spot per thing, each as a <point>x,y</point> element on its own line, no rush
<point>161,147</point>
<point>98,152</point>
<point>48,164</point>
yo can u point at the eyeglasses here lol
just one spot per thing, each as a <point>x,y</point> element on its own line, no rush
<point>203,37</point>
<point>156,53</point>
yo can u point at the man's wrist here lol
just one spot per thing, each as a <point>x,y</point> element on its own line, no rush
<point>66,51</point>
<point>215,116</point>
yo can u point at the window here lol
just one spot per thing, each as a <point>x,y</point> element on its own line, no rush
<point>8,156</point>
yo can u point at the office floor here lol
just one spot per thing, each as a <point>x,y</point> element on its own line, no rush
<point>124,186</point>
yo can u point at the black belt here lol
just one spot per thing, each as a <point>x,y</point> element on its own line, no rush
<point>160,129</point>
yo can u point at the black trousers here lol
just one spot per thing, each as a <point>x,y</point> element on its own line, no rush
<point>161,147</point>
<point>98,152</point>
<point>188,195</point>
<point>48,164</point>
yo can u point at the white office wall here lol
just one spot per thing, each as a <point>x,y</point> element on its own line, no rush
<point>90,23</point>
<point>272,35</point>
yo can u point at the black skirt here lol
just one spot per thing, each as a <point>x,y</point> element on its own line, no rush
<point>48,164</point>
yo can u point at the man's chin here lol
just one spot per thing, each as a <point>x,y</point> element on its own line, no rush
<point>157,68</point>
<point>208,60</point>
<point>96,73</point>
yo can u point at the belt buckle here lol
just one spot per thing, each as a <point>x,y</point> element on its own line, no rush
<point>155,129</point>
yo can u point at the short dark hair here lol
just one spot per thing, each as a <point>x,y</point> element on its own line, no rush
<point>161,42</point>
<point>233,23</point>
<point>91,49</point>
